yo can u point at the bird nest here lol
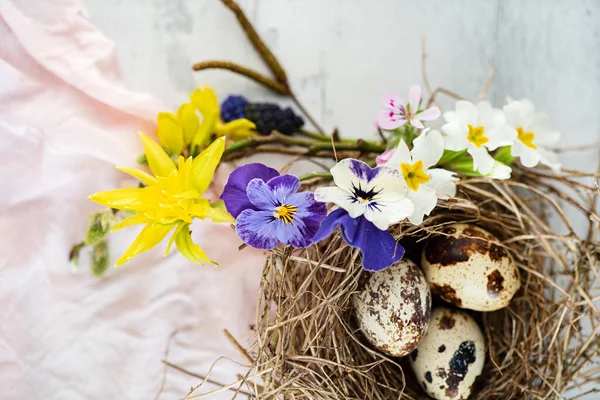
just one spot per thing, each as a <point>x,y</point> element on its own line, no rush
<point>541,346</point>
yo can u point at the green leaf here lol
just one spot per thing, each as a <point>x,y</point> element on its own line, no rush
<point>100,259</point>
<point>463,166</point>
<point>450,156</point>
<point>99,225</point>
<point>503,154</point>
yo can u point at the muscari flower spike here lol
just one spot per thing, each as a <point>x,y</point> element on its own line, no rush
<point>370,199</point>
<point>170,200</point>
<point>426,185</point>
<point>268,209</point>
<point>267,116</point>
<point>399,113</point>
<point>479,128</point>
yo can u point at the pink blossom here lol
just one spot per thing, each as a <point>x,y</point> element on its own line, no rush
<point>399,113</point>
<point>385,156</point>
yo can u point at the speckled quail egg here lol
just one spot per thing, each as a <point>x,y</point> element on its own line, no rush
<point>451,355</point>
<point>393,307</point>
<point>467,267</point>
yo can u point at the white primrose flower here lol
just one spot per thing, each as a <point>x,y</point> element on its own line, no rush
<point>378,194</point>
<point>478,128</point>
<point>426,185</point>
<point>533,135</point>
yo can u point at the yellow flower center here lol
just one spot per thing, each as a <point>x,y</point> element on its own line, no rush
<point>414,174</point>
<point>526,138</point>
<point>285,213</point>
<point>477,136</point>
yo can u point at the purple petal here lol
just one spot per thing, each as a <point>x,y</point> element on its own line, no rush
<point>284,186</point>
<point>362,170</point>
<point>307,220</point>
<point>379,249</point>
<point>389,120</point>
<point>257,229</point>
<point>234,193</point>
<point>261,195</point>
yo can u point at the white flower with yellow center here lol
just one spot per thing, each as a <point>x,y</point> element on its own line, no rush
<point>533,135</point>
<point>425,184</point>
<point>479,129</point>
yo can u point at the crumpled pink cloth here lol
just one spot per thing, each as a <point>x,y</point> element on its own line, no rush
<point>65,121</point>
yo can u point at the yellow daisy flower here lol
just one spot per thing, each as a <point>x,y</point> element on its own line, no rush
<point>171,199</point>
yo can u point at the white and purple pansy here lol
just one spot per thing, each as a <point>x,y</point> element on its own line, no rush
<point>268,209</point>
<point>377,193</point>
<point>370,199</point>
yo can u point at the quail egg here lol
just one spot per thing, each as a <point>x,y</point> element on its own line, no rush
<point>392,307</point>
<point>451,355</point>
<point>468,268</point>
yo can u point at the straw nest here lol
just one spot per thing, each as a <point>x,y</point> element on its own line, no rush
<point>540,347</point>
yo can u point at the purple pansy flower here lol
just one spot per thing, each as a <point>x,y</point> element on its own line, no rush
<point>379,248</point>
<point>268,209</point>
<point>398,113</point>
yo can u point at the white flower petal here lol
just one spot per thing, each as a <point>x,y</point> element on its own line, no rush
<point>529,157</point>
<point>519,113</point>
<point>503,135</point>
<point>484,112</point>
<point>425,200</point>
<point>342,174</point>
<point>388,181</point>
<point>450,116</point>
<point>550,159</point>
<point>547,138</point>
<point>431,114</point>
<point>340,197</point>
<point>482,161</point>
<point>443,182</point>
<point>499,171</point>
<point>401,155</point>
<point>455,137</point>
<point>392,210</point>
<point>466,112</point>
<point>428,147</point>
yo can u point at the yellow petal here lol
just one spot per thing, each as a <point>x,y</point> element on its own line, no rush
<point>205,100</point>
<point>132,220</point>
<point>169,132</point>
<point>158,160</point>
<point>189,249</point>
<point>189,122</point>
<point>205,164</point>
<point>205,131</point>
<point>214,212</point>
<point>121,199</point>
<point>149,237</point>
<point>139,174</point>
<point>236,129</point>
<point>174,235</point>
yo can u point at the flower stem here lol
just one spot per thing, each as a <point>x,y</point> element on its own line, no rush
<point>247,72</point>
<point>312,175</point>
<point>308,147</point>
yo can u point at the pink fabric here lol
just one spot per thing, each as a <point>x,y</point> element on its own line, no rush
<point>65,121</point>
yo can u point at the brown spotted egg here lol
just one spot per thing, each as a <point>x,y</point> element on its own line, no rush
<point>467,267</point>
<point>451,355</point>
<point>392,307</point>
